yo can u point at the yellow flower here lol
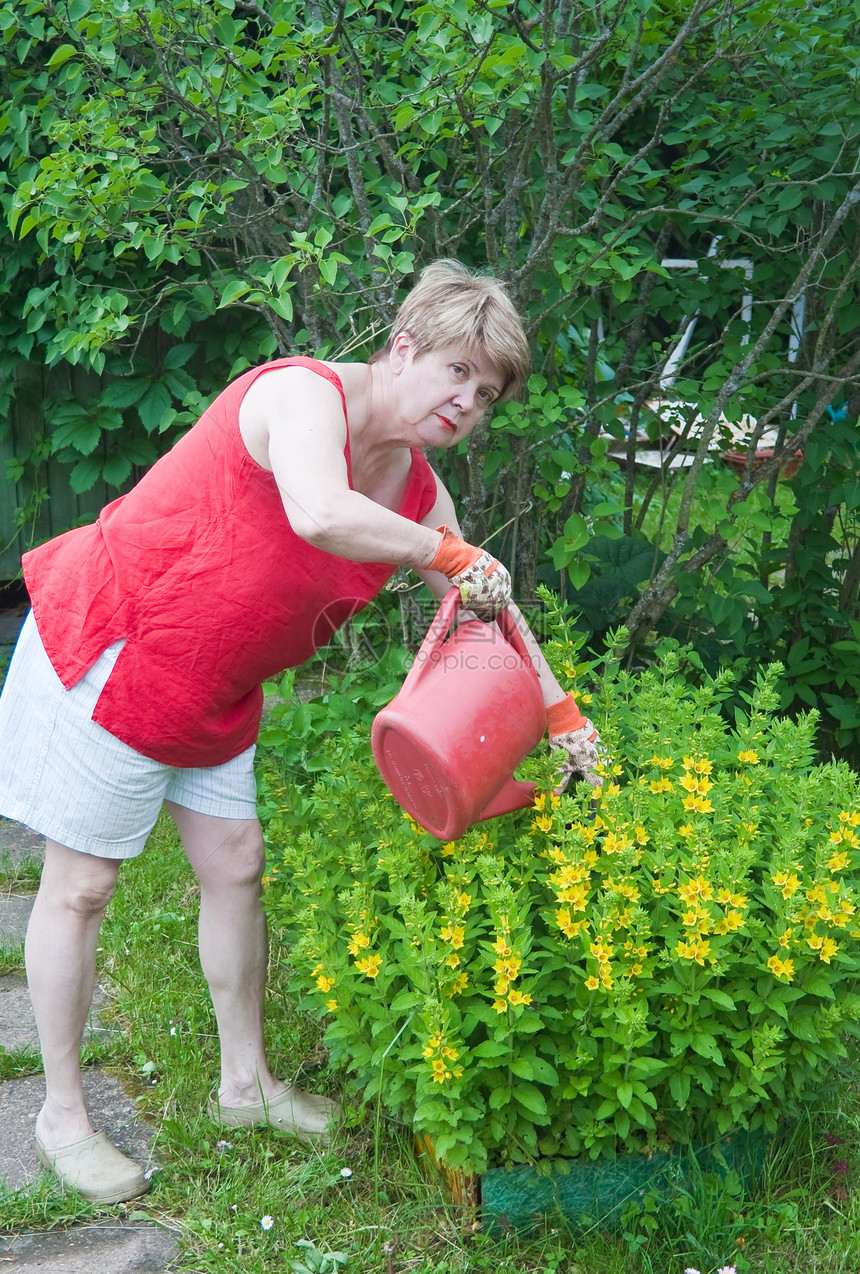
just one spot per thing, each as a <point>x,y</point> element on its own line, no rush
<point>543,822</point>
<point>696,888</point>
<point>828,949</point>
<point>662,762</point>
<point>500,1005</point>
<point>324,983</point>
<point>697,950</point>
<point>660,785</point>
<point>641,834</point>
<point>453,960</point>
<point>748,756</point>
<point>357,942</point>
<point>453,934</point>
<point>460,983</point>
<point>592,983</point>
<point>369,966</point>
<point>448,849</point>
<point>517,997</point>
<point>615,844</point>
<point>781,968</point>
<point>788,883</point>
<point>686,830</point>
<point>331,1005</point>
<point>838,862</point>
<point>698,803</point>
<point>510,968</point>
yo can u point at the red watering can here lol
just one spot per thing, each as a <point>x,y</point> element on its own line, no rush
<point>468,712</point>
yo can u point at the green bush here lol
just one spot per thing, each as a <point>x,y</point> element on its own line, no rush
<point>675,961</point>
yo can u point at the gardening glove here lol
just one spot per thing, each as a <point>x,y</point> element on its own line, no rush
<point>574,735</point>
<point>484,584</point>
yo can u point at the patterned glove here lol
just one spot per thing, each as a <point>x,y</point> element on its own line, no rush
<point>484,584</point>
<point>574,735</point>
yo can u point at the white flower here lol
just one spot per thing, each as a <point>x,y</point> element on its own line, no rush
<point>266,1222</point>
<point>223,1145</point>
<point>690,1270</point>
<point>728,1269</point>
<point>173,1030</point>
<point>346,1172</point>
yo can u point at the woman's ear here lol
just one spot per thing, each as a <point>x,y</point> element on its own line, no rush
<point>401,352</point>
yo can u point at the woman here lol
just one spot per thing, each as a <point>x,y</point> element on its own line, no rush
<point>137,678</point>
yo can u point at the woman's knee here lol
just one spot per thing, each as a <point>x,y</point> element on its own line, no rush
<point>79,883</point>
<point>237,861</point>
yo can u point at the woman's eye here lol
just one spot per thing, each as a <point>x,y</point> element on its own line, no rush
<point>457,369</point>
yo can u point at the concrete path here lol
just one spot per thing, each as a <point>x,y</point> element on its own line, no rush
<point>112,1246</point>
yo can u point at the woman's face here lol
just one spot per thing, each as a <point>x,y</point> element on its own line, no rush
<point>443,394</point>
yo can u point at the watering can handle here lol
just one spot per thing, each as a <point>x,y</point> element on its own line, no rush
<point>440,626</point>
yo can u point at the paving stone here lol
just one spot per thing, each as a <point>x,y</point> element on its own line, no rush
<point>14,916</point>
<point>110,1247</point>
<point>17,1023</point>
<point>19,842</point>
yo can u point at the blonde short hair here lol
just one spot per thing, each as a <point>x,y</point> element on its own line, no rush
<point>452,305</point>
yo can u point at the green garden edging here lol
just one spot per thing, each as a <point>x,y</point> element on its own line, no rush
<point>599,1189</point>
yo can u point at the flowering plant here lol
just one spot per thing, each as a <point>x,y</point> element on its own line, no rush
<point>675,960</point>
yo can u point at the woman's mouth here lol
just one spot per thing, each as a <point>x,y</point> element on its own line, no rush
<point>446,423</point>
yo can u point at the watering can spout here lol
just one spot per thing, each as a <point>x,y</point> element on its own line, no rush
<point>469,711</point>
<point>515,794</point>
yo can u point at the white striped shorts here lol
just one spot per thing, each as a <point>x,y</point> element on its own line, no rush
<point>66,777</point>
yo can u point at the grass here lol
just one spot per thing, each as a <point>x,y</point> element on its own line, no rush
<point>383,1216</point>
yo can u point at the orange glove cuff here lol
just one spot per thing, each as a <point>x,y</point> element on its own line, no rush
<point>453,555</point>
<point>563,717</point>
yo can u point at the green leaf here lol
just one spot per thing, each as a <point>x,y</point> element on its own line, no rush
<point>719,998</point>
<point>543,1072</point>
<point>679,1087</point>
<point>155,402</point>
<point>522,1067</point>
<point>530,1098</point>
<point>233,291</point>
<point>60,56</point>
<point>85,474</point>
<point>625,1094</point>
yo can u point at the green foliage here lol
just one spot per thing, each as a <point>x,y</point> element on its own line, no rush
<point>193,186</point>
<point>675,961</point>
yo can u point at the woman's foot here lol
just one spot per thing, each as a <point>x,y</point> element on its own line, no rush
<point>95,1168</point>
<point>304,1115</point>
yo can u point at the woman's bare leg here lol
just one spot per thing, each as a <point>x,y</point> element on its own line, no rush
<point>60,953</point>
<point>228,858</point>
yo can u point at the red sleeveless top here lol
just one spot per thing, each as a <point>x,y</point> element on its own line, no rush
<point>199,570</point>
